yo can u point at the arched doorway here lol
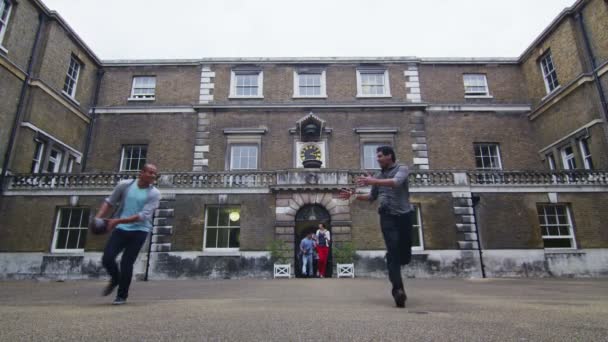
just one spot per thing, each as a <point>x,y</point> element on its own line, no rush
<point>307,220</point>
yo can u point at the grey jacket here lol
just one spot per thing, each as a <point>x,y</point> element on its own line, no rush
<point>117,199</point>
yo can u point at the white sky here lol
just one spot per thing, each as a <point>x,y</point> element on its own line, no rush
<point>145,29</point>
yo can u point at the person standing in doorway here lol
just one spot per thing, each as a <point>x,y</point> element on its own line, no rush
<point>323,238</point>
<point>307,246</point>
<point>135,202</point>
<point>390,187</point>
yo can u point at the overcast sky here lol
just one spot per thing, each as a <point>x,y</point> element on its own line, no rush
<point>145,29</point>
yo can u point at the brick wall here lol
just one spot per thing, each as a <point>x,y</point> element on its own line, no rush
<point>175,85</point>
<point>170,139</point>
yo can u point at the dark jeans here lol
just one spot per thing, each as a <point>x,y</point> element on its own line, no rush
<point>129,243</point>
<point>397,232</point>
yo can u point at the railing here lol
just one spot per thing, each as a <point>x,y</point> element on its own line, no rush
<point>418,178</point>
<point>222,180</point>
<point>265,179</point>
<point>578,177</point>
<point>67,181</point>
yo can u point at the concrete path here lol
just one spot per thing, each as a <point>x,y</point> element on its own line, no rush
<point>308,310</point>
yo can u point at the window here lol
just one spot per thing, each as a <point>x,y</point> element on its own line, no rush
<point>54,161</point>
<point>70,230</point>
<point>133,157</point>
<point>5,11</point>
<point>309,84</point>
<point>71,79</point>
<point>586,153</point>
<point>549,72</point>
<point>222,228</point>
<point>556,226</point>
<point>487,157</point>
<point>369,155</point>
<point>417,240</point>
<point>71,161</point>
<point>551,161</point>
<point>243,157</point>
<point>38,155</point>
<point>568,158</point>
<point>246,83</point>
<point>372,83</point>
<point>475,85</point>
<point>144,88</point>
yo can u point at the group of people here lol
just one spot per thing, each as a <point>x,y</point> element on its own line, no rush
<point>132,204</point>
<point>318,242</point>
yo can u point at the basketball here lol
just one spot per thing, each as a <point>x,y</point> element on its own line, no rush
<point>98,226</point>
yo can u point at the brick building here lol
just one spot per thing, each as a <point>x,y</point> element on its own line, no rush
<point>507,154</point>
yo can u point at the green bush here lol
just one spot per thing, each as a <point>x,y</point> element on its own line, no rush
<point>344,253</point>
<point>279,253</point>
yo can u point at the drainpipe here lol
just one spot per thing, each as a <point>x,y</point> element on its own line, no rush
<point>21,103</point>
<point>476,199</point>
<point>87,143</point>
<point>596,77</point>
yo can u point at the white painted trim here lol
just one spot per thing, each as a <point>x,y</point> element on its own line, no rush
<point>478,97</point>
<point>315,105</point>
<point>387,85</point>
<point>485,81</point>
<point>147,110</point>
<point>148,99</point>
<point>74,151</point>
<point>376,130</point>
<point>259,131</point>
<point>166,191</point>
<point>8,18</point>
<point>3,49</point>
<point>474,108</point>
<point>296,87</point>
<point>233,95</point>
<point>570,135</point>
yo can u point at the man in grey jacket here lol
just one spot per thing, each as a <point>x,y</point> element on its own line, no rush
<point>136,201</point>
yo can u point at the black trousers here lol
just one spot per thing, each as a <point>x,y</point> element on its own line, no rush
<point>129,243</point>
<point>397,232</point>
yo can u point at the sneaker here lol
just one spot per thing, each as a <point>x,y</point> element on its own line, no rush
<point>400,297</point>
<point>119,301</point>
<point>109,289</point>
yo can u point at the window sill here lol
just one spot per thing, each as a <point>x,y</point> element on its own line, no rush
<point>69,252</point>
<point>478,97</point>
<point>309,97</point>
<point>150,99</point>
<point>70,98</point>
<point>221,253</point>
<point>359,96</point>
<point>550,94</point>
<point>245,97</point>
<point>3,50</point>
<point>563,251</point>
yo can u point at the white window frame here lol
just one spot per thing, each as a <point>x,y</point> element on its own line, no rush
<point>550,73</point>
<point>474,94</point>
<point>4,23</point>
<point>56,229</point>
<point>122,156</point>
<point>205,234</point>
<point>151,96</point>
<point>37,161</point>
<point>583,144</point>
<point>56,160</point>
<point>233,87</point>
<point>237,145</point>
<point>74,78</point>
<point>296,84</point>
<point>566,158</point>
<point>418,213</point>
<point>376,144</point>
<point>551,160</point>
<point>69,168</point>
<point>570,235</point>
<point>498,155</point>
<point>387,86</point>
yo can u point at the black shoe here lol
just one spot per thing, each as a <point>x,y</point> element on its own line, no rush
<point>109,289</point>
<point>119,301</point>
<point>400,297</point>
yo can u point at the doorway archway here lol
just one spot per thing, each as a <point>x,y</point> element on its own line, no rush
<point>307,220</point>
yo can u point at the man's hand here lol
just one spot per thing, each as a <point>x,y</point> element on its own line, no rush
<point>365,180</point>
<point>111,224</point>
<point>346,194</point>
